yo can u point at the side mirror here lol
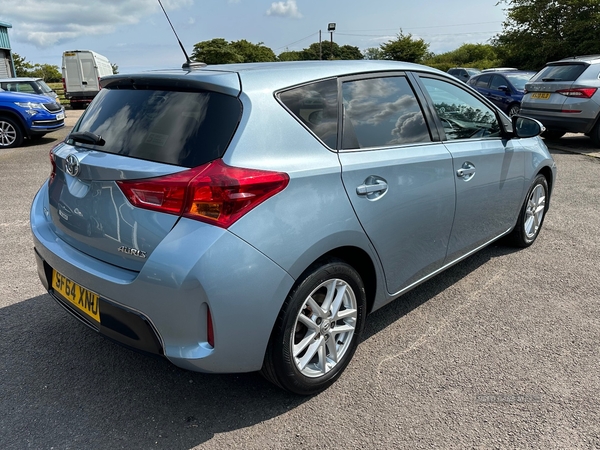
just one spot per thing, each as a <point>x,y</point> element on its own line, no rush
<point>504,88</point>
<point>526,127</point>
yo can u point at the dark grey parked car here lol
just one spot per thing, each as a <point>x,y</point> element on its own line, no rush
<point>565,97</point>
<point>248,217</point>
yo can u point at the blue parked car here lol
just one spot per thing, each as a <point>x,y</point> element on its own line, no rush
<point>27,116</point>
<point>504,88</point>
<point>248,217</point>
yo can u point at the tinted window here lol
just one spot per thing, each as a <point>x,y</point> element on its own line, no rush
<point>462,115</point>
<point>498,81</point>
<point>482,81</point>
<point>182,128</point>
<point>380,112</point>
<point>568,72</point>
<point>316,106</point>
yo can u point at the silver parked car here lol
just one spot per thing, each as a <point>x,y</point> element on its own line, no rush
<point>565,97</point>
<point>29,85</point>
<point>248,217</point>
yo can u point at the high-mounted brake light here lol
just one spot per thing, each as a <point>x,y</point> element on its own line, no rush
<point>578,92</point>
<point>214,193</point>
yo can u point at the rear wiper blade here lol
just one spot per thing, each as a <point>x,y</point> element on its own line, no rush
<point>551,79</point>
<point>85,137</point>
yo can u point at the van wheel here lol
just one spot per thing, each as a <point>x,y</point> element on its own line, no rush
<point>317,330</point>
<point>10,133</point>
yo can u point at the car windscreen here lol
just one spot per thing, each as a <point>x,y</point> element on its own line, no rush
<point>182,128</point>
<point>561,72</point>
<point>43,86</point>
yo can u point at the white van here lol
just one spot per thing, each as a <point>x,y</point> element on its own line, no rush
<point>81,70</point>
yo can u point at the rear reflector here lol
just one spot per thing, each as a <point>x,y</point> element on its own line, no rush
<point>210,332</point>
<point>214,193</point>
<point>578,92</point>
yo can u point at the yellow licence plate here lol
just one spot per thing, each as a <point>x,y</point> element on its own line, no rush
<point>85,301</point>
<point>541,95</point>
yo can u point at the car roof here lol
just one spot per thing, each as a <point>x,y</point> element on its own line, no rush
<point>592,59</point>
<point>272,75</point>
<point>16,79</point>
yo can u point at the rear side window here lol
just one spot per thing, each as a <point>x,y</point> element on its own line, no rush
<point>182,128</point>
<point>569,72</point>
<point>483,81</point>
<point>381,112</point>
<point>316,106</point>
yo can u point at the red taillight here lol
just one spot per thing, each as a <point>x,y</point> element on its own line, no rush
<point>578,92</point>
<point>214,192</point>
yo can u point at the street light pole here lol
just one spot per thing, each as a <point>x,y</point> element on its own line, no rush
<point>331,29</point>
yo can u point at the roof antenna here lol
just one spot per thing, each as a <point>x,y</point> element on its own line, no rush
<point>188,64</point>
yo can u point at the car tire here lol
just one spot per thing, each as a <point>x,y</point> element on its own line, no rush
<point>513,109</point>
<point>595,134</point>
<point>532,214</point>
<point>553,134</point>
<point>317,330</point>
<point>10,133</point>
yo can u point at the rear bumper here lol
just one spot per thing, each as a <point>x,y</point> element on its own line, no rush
<point>163,308</point>
<point>572,123</point>
<point>124,326</point>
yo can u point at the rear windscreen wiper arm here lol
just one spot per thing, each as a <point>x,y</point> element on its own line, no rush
<point>85,137</point>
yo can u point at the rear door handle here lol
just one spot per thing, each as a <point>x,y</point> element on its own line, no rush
<point>466,172</point>
<point>373,188</point>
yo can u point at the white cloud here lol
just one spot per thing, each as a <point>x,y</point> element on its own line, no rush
<point>284,9</point>
<point>52,22</point>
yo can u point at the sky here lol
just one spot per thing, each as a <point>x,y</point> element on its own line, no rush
<point>135,35</point>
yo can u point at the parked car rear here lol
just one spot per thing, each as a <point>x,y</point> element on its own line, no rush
<point>565,97</point>
<point>504,89</point>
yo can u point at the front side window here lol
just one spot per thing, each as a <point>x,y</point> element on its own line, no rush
<point>316,106</point>
<point>381,112</point>
<point>498,81</point>
<point>182,128</point>
<point>463,116</point>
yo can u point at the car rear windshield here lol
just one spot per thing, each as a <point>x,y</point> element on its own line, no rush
<point>562,72</point>
<point>182,128</point>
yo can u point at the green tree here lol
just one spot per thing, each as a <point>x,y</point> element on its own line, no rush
<point>480,56</point>
<point>253,52</point>
<point>290,55</point>
<point>220,51</point>
<point>373,53</point>
<point>22,67</point>
<point>538,31</point>
<point>47,72</point>
<point>405,48</point>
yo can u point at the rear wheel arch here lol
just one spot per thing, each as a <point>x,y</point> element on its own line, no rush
<point>362,263</point>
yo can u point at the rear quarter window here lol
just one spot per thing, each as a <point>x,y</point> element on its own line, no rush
<point>316,106</point>
<point>181,128</point>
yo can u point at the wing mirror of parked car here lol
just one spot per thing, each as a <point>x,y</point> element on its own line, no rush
<point>526,127</point>
<point>504,88</point>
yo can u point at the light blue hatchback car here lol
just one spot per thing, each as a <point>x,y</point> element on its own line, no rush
<point>249,217</point>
